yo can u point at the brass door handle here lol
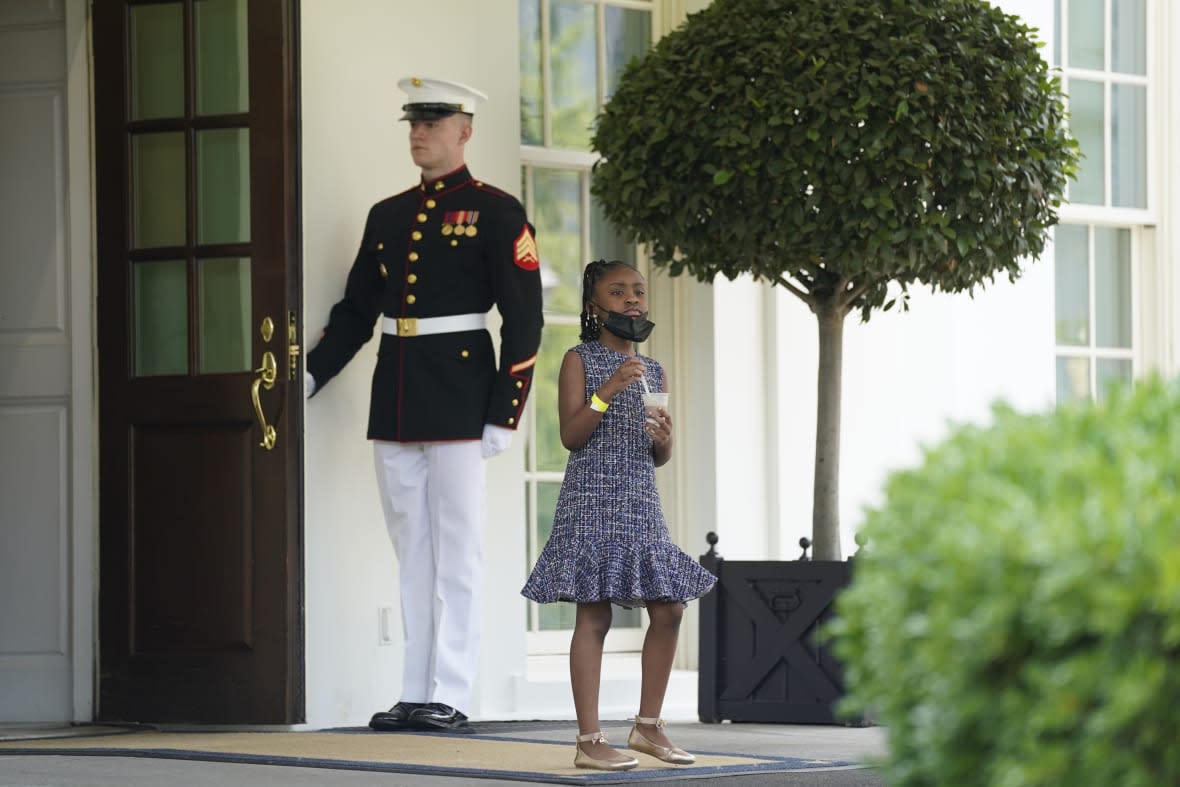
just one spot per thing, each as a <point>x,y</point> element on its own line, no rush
<point>266,378</point>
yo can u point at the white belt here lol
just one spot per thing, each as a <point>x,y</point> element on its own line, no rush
<point>423,326</point>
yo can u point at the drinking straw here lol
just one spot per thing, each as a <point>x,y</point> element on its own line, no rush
<point>646,389</point>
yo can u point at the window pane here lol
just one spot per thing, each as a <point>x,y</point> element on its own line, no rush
<point>1071,258</point>
<point>573,66</point>
<point>1111,372</point>
<point>625,618</point>
<point>221,55</point>
<point>550,616</point>
<point>605,241</point>
<point>1057,33</point>
<point>224,294</point>
<point>628,35</point>
<point>158,189</point>
<point>157,61</point>
<point>557,210</point>
<point>223,186</point>
<point>1128,141</point>
<point>1128,22</point>
<point>551,454</point>
<point>1086,122</point>
<point>1112,287</point>
<point>1073,379</point>
<point>531,93</point>
<point>161,318</point>
<point>1086,34</point>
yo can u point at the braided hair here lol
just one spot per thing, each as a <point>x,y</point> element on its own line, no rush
<point>593,273</point>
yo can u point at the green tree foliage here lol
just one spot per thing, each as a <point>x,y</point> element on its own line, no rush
<point>1014,616</point>
<point>841,149</point>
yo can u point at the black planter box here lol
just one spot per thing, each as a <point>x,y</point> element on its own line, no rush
<point>758,658</point>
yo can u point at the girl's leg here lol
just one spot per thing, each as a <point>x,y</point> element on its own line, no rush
<point>659,650</point>
<point>590,627</point>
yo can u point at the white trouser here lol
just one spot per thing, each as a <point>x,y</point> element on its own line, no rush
<point>434,495</point>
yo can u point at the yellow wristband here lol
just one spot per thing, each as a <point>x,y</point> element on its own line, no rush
<point>597,405</point>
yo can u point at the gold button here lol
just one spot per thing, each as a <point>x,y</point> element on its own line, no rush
<point>464,354</point>
<point>416,235</point>
<point>439,186</point>
<point>380,246</point>
<point>413,256</point>
<point>515,402</point>
<point>412,278</point>
<point>422,218</point>
<point>430,203</point>
<point>479,183</point>
<point>520,383</point>
<point>410,299</point>
<point>454,242</point>
<point>511,421</point>
<point>381,268</point>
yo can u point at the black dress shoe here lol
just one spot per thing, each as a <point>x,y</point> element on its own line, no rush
<point>396,718</point>
<point>436,716</point>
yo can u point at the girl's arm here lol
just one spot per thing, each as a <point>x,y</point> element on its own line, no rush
<point>578,420</point>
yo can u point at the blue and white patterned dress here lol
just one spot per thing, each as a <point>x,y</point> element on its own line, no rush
<point>609,538</point>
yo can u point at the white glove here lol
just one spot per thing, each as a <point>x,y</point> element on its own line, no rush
<point>495,440</point>
<point>308,384</point>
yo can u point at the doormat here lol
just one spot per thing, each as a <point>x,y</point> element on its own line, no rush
<point>483,756</point>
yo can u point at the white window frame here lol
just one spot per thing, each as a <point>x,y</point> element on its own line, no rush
<point>1141,222</point>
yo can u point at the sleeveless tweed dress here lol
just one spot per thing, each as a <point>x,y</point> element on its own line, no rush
<point>609,538</point>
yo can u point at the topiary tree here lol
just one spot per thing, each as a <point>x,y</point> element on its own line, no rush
<point>835,148</point>
<point>1014,616</point>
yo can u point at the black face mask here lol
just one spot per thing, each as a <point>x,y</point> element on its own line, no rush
<point>633,329</point>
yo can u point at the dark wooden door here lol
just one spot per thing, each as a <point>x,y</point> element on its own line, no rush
<point>196,162</point>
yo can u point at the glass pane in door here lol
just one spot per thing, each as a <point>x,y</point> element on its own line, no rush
<point>157,61</point>
<point>223,185</point>
<point>221,56</point>
<point>161,318</point>
<point>158,190</point>
<point>223,291</point>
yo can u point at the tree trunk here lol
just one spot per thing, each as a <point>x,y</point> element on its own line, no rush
<point>825,513</point>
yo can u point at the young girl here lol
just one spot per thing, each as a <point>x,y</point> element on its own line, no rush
<point>609,542</point>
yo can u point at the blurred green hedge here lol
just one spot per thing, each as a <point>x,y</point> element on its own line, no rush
<point>1014,615</point>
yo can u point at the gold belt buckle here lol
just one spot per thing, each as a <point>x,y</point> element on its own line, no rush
<point>407,326</point>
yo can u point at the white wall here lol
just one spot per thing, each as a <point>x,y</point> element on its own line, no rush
<point>354,154</point>
<point>906,377</point>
